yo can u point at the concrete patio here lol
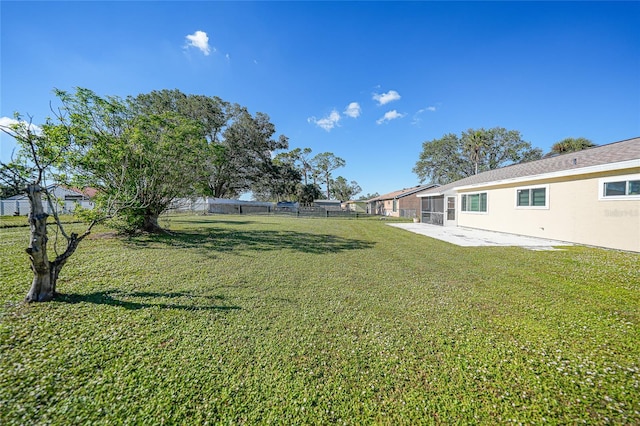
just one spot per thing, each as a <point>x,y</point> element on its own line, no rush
<point>468,237</point>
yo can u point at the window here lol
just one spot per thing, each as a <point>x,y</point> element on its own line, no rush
<point>628,187</point>
<point>474,202</point>
<point>395,204</point>
<point>620,188</point>
<point>531,197</point>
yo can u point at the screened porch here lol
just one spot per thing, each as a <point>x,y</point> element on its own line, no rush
<point>433,210</point>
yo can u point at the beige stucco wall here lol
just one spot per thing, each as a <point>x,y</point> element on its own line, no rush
<point>575,213</point>
<point>388,209</point>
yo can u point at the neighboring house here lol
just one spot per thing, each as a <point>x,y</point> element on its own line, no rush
<point>589,197</point>
<point>68,199</point>
<point>402,203</point>
<point>355,206</point>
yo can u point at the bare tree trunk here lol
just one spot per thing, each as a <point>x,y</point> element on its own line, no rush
<point>42,288</point>
<point>45,273</point>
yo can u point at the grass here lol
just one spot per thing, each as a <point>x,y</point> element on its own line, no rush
<point>262,319</point>
<point>23,221</point>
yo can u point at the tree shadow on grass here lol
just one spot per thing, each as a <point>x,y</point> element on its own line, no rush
<point>227,240</point>
<point>142,300</point>
<point>206,221</point>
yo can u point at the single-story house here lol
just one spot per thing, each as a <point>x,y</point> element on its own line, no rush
<point>589,197</point>
<point>401,203</point>
<point>358,206</point>
<point>68,199</point>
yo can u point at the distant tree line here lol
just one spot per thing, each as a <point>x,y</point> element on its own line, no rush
<point>306,175</point>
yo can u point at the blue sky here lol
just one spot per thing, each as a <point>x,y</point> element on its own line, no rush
<point>368,81</point>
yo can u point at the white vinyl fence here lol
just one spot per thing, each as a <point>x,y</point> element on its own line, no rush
<point>21,207</point>
<point>219,205</point>
<point>189,205</point>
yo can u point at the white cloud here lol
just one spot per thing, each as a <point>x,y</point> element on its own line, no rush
<point>429,109</point>
<point>7,123</point>
<point>390,115</point>
<point>417,116</point>
<point>385,98</point>
<point>328,122</point>
<point>353,110</point>
<point>200,39</point>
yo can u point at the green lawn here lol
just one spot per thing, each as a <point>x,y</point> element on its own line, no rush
<point>263,319</point>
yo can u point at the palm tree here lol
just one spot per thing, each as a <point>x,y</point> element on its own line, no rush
<point>476,141</point>
<point>571,145</point>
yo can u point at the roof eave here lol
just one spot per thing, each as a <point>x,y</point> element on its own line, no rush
<point>558,174</point>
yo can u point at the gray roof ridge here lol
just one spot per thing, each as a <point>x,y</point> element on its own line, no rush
<point>597,155</point>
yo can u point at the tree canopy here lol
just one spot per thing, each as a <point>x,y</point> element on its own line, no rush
<point>238,153</point>
<point>343,190</point>
<point>13,178</point>
<point>280,182</point>
<point>319,168</point>
<point>140,154</point>
<point>368,196</point>
<point>143,152</point>
<point>244,154</point>
<point>140,159</point>
<point>571,145</point>
<point>323,165</point>
<point>454,157</point>
<point>308,193</point>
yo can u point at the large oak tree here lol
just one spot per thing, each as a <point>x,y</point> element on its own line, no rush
<point>140,160</point>
<point>243,155</point>
<point>454,157</point>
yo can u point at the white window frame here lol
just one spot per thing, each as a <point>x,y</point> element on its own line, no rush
<point>546,197</point>
<point>621,178</point>
<point>473,193</point>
